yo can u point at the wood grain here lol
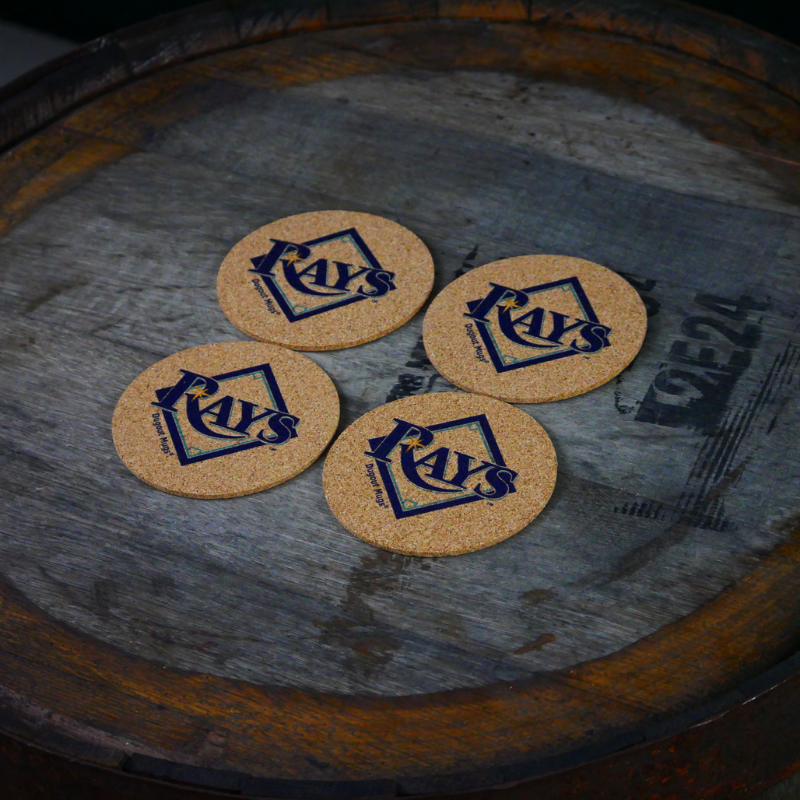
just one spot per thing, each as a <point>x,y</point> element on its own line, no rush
<point>121,208</point>
<point>665,572</point>
<point>500,10</point>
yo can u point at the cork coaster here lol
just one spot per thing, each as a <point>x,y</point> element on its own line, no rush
<point>227,419</point>
<point>325,280</point>
<point>535,328</point>
<point>440,474</point>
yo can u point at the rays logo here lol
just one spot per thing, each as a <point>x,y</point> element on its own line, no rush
<point>537,332</point>
<point>253,414</point>
<point>421,471</point>
<point>309,278</point>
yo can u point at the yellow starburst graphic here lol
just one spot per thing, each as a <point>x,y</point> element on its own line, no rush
<point>292,258</point>
<point>413,442</point>
<point>197,392</point>
<point>509,304</point>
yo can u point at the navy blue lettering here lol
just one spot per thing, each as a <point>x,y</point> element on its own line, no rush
<point>433,466</point>
<point>293,278</point>
<point>532,320</point>
<point>560,326</point>
<point>344,274</point>
<point>463,471</point>
<point>249,416</point>
<point>595,336</point>
<point>592,336</point>
<point>290,254</point>
<point>189,380</point>
<point>501,479</point>
<point>382,281</point>
<point>263,264</point>
<point>382,446</point>
<point>436,463</point>
<point>319,269</point>
<point>283,427</point>
<point>195,414</point>
<point>479,309</point>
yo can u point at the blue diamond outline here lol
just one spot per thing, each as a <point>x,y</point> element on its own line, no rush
<point>391,488</point>
<point>170,417</point>
<point>491,346</point>
<point>284,304</point>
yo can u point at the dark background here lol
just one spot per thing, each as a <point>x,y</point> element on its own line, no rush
<point>82,20</point>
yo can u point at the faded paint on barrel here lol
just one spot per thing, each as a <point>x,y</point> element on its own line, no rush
<point>124,264</point>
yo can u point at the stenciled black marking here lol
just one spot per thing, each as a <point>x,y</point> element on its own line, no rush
<point>649,509</point>
<point>719,465</point>
<point>420,380</point>
<point>588,334</point>
<point>418,357</point>
<point>694,386</point>
<point>408,384</point>
<point>322,278</point>
<point>436,465</point>
<point>468,263</point>
<point>221,411</point>
<point>717,456</point>
<point>643,288</point>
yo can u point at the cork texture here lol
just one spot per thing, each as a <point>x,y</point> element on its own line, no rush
<point>536,328</point>
<point>440,474</point>
<point>225,419</point>
<point>325,280</point>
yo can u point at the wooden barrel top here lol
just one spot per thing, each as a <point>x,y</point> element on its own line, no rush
<point>252,645</point>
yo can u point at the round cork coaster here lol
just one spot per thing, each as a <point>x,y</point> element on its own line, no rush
<point>535,328</point>
<point>226,419</point>
<point>440,474</point>
<point>325,280</point>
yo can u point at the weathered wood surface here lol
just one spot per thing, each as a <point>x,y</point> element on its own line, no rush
<point>667,554</point>
<point>125,269</point>
<point>693,757</point>
<point>44,94</point>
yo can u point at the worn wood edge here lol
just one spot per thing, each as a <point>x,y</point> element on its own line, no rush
<point>486,10</point>
<point>78,653</point>
<point>698,32</point>
<point>47,93</point>
<point>42,159</point>
<point>685,738</point>
<point>159,67</point>
<point>67,167</point>
<point>616,743</point>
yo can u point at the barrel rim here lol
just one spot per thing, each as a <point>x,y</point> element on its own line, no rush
<point>30,103</point>
<point>23,112</point>
<point>728,717</point>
